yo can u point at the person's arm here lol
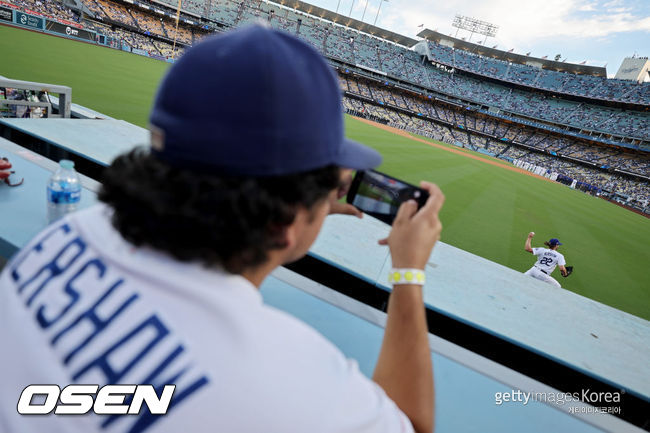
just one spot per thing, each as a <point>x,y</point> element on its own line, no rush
<point>528,239</point>
<point>5,167</point>
<point>404,367</point>
<point>561,263</point>
<point>339,207</point>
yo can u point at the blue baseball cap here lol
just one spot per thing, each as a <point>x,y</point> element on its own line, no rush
<point>253,102</point>
<point>553,242</point>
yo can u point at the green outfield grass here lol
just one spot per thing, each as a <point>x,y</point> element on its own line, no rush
<point>489,209</point>
<point>112,82</point>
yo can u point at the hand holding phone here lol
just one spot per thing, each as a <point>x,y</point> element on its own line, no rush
<point>380,195</point>
<point>414,231</point>
<point>337,207</point>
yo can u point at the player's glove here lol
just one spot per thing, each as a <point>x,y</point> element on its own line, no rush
<point>569,271</point>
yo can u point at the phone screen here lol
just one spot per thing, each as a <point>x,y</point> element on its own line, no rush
<point>380,195</point>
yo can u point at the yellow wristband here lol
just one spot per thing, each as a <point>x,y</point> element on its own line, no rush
<point>406,276</point>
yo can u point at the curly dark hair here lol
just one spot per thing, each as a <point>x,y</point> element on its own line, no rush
<point>227,221</point>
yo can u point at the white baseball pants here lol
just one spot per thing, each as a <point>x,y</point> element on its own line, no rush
<point>537,273</point>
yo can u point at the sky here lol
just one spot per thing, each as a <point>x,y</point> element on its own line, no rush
<point>600,32</point>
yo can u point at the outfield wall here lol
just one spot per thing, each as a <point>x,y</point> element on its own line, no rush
<point>66,29</point>
<point>37,22</point>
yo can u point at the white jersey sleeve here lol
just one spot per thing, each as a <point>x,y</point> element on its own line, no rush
<point>560,260</point>
<point>538,251</point>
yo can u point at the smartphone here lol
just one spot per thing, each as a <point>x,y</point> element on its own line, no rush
<point>380,195</point>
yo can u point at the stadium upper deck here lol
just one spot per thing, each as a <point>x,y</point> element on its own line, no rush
<point>395,60</point>
<point>593,166</point>
<point>515,90</point>
<point>588,86</point>
<point>512,57</point>
<point>363,47</point>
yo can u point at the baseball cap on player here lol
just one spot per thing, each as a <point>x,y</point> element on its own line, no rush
<point>253,102</point>
<point>553,242</point>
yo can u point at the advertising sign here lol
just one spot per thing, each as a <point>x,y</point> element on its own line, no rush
<point>28,20</point>
<point>140,52</point>
<point>53,26</point>
<point>5,14</point>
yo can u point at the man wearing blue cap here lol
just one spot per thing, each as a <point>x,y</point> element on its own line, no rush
<point>159,284</point>
<point>547,260</point>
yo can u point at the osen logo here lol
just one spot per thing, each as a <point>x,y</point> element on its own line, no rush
<point>108,400</point>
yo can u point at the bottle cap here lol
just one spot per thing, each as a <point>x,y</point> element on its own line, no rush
<point>66,164</point>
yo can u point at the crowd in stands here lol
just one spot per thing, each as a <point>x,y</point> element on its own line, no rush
<point>633,191</point>
<point>354,47</point>
<point>539,106</point>
<point>195,7</point>
<point>50,9</point>
<point>111,10</point>
<point>481,133</point>
<point>457,126</point>
<point>146,22</point>
<point>562,82</point>
<point>470,120</point>
<point>106,10</point>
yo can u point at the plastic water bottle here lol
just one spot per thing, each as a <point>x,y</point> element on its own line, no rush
<point>63,191</point>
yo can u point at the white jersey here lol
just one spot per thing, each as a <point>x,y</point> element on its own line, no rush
<point>547,259</point>
<point>81,305</point>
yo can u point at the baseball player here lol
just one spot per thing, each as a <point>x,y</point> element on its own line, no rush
<point>547,260</point>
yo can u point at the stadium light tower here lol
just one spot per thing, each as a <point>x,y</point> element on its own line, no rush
<point>474,26</point>
<point>364,10</point>
<point>178,17</point>
<point>377,16</point>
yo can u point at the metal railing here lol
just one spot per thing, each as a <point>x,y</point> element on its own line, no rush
<point>64,92</point>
